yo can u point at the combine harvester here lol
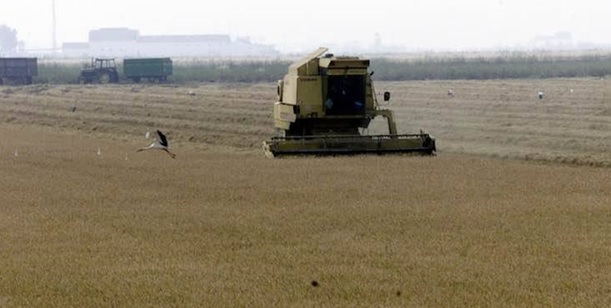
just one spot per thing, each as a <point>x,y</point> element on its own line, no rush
<point>324,102</point>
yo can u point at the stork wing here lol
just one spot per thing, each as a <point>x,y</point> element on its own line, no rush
<point>161,138</point>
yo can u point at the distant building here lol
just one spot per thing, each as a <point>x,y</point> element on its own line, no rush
<point>557,41</point>
<point>124,42</point>
<point>75,50</point>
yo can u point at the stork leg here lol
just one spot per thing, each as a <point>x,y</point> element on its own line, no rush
<point>170,153</point>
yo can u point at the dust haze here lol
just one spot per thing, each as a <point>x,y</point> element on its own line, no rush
<point>279,28</point>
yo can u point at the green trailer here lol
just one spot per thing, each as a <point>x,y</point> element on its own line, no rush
<point>153,69</point>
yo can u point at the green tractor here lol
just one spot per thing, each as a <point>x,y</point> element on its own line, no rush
<point>101,71</point>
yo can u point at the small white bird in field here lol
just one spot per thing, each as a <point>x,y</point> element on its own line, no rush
<point>160,143</point>
<point>540,94</point>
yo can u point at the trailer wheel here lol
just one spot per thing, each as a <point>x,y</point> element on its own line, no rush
<point>136,79</point>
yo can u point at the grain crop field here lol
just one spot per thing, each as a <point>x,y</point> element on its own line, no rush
<point>514,211</point>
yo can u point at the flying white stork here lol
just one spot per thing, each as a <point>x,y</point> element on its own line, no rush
<point>160,143</point>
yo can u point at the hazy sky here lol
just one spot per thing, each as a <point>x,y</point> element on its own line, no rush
<point>305,25</point>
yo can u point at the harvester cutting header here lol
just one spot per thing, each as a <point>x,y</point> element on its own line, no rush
<point>324,102</point>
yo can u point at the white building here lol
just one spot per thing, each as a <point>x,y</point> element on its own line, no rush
<point>124,42</point>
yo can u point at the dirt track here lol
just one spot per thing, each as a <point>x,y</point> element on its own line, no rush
<point>222,224</point>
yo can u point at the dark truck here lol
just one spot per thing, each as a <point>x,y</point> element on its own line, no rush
<point>153,69</point>
<point>18,70</point>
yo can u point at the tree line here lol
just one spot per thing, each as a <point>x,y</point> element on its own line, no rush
<point>8,39</point>
<point>531,67</point>
<point>516,67</point>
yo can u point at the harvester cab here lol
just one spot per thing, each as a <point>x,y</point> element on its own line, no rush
<point>325,102</point>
